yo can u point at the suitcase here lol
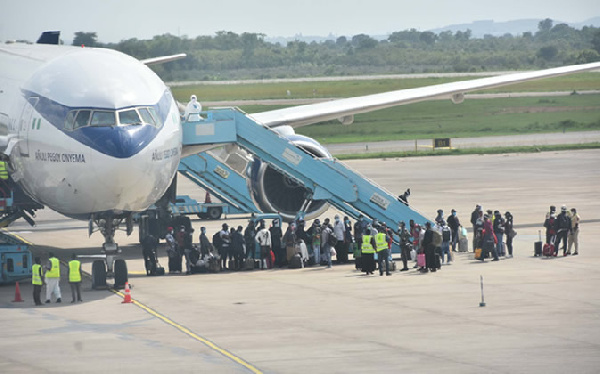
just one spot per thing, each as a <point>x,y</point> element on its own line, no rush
<point>478,253</point>
<point>548,250</point>
<point>392,266</point>
<point>537,246</point>
<point>159,270</point>
<point>463,244</point>
<point>421,260</point>
<point>249,264</point>
<point>296,262</point>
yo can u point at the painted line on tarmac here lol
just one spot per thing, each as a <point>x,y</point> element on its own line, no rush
<point>190,333</point>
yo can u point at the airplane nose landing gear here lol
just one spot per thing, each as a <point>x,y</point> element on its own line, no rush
<point>110,265</point>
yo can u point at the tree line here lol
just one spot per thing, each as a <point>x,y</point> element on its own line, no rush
<point>228,55</point>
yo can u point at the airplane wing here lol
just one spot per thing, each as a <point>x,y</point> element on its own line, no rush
<point>162,59</point>
<point>345,109</point>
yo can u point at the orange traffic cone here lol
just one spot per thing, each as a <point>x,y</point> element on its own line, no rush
<point>17,294</point>
<point>127,298</point>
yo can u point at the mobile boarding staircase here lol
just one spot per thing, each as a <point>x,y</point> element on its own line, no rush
<point>326,179</point>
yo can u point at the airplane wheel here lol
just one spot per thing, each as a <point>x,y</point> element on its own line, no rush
<point>120,273</point>
<point>214,213</point>
<point>98,275</point>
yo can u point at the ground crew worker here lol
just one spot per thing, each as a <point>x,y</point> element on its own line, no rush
<point>52,278</point>
<point>3,170</point>
<point>75,277</point>
<point>36,280</point>
<point>368,251</point>
<point>382,251</point>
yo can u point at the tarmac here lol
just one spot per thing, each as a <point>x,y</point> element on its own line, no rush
<point>540,315</point>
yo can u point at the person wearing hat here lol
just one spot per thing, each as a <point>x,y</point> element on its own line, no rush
<point>440,216</point>
<point>510,233</point>
<point>454,224</point>
<point>563,227</point>
<point>192,110</point>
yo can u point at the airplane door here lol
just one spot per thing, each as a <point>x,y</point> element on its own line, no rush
<point>25,125</point>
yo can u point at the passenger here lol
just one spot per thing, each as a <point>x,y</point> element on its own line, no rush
<point>341,249</point>
<point>478,234</point>
<point>149,245</point>
<point>348,238</point>
<point>510,233</point>
<point>440,217</point>
<point>447,237</point>
<point>499,230</point>
<point>225,245</point>
<point>454,224</point>
<point>314,233</point>
<point>574,233</point>
<point>75,278</point>
<point>37,281</point>
<point>404,197</point>
<point>180,240</point>
<point>276,247</point>
<point>300,230</point>
<point>368,246</point>
<point>550,225</point>
<point>205,245</point>
<point>563,227</point>
<point>52,276</point>
<point>475,216</point>
<point>249,234</point>
<point>326,233</point>
<point>237,245</point>
<point>405,245</point>
<point>171,250</point>
<point>289,238</point>
<point>428,248</point>
<point>187,249</point>
<point>263,238</point>
<point>192,110</point>
<point>382,247</point>
<point>489,240</point>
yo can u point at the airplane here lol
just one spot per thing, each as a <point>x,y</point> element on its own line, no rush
<point>96,135</point>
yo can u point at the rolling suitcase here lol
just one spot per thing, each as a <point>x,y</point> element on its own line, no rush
<point>548,249</point>
<point>249,264</point>
<point>421,260</point>
<point>537,246</point>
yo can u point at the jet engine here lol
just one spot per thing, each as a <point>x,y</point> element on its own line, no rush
<point>274,191</point>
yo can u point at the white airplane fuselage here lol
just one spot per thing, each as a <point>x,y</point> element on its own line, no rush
<point>87,130</point>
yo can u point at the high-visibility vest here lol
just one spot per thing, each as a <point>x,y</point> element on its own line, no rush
<point>36,278</point>
<point>54,272</point>
<point>3,171</point>
<point>367,247</point>
<point>381,242</point>
<point>74,274</point>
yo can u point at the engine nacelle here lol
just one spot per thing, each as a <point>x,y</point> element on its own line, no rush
<point>273,191</point>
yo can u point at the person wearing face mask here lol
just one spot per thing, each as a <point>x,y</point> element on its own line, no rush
<point>574,233</point>
<point>276,246</point>
<point>454,224</point>
<point>340,247</point>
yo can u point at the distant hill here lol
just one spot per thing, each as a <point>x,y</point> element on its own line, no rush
<point>516,27</point>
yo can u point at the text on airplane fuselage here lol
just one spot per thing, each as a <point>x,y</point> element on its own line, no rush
<point>159,155</point>
<point>59,157</point>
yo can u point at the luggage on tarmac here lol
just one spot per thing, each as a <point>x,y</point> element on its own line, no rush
<point>160,270</point>
<point>392,266</point>
<point>548,250</point>
<point>421,260</point>
<point>296,262</point>
<point>463,244</point>
<point>537,246</point>
<point>478,253</point>
<point>248,264</point>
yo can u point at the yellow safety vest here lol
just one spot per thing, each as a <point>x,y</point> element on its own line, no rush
<point>36,278</point>
<point>74,274</point>
<point>3,171</point>
<point>54,272</point>
<point>366,244</point>
<point>381,243</point>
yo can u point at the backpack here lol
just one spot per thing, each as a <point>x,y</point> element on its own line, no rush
<point>446,234</point>
<point>217,241</point>
<point>331,239</point>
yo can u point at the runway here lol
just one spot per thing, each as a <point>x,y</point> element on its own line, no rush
<point>541,315</point>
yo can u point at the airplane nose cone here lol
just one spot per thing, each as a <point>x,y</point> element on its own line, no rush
<point>118,142</point>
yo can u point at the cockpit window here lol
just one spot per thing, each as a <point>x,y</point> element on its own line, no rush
<point>129,117</point>
<point>82,119</point>
<point>99,118</point>
<point>102,118</point>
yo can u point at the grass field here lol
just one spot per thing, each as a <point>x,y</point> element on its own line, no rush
<point>472,118</point>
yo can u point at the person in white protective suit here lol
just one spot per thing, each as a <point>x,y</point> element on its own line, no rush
<point>193,109</point>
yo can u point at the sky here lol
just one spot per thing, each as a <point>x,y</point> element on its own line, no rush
<point>116,20</point>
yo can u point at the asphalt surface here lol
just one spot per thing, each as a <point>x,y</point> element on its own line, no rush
<point>541,315</point>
